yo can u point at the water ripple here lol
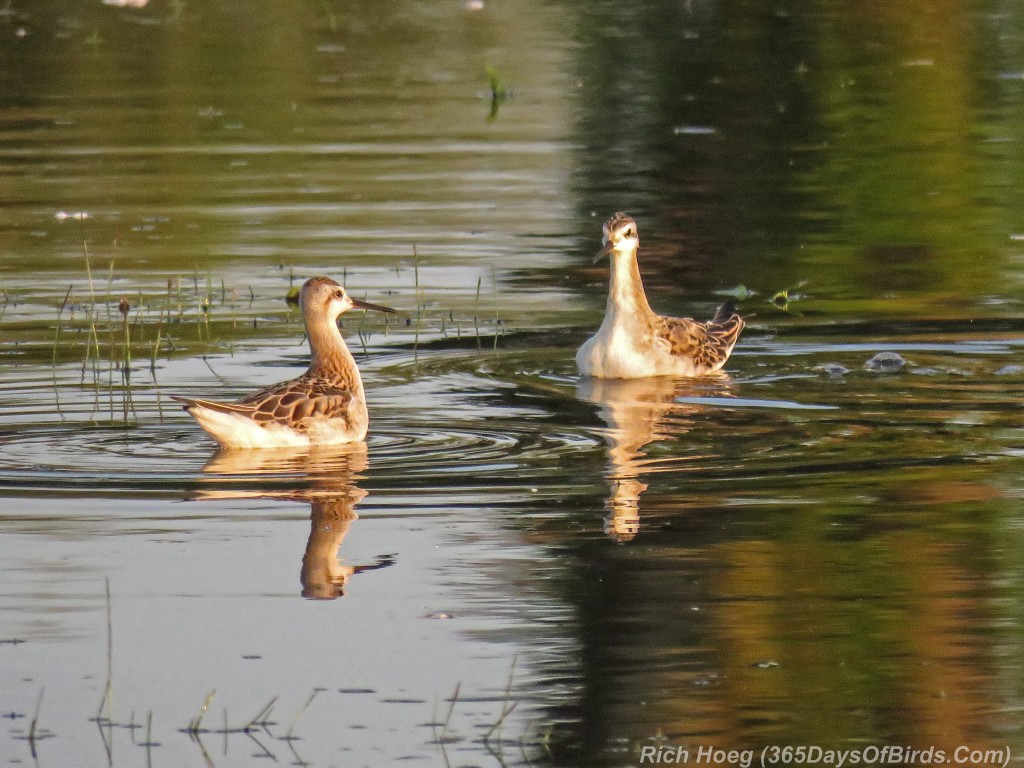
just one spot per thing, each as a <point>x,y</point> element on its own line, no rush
<point>168,458</point>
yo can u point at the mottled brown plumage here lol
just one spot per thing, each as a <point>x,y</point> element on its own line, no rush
<point>296,403</point>
<point>707,344</point>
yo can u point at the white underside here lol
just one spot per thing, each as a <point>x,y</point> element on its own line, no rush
<point>618,352</point>
<point>233,430</point>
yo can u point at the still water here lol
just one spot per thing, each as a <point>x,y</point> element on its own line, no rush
<point>519,568</point>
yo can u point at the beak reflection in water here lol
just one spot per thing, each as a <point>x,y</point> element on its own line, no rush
<point>325,478</point>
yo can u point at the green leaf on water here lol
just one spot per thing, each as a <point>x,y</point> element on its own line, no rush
<point>498,89</point>
<point>499,93</point>
<point>740,292</point>
<point>782,299</point>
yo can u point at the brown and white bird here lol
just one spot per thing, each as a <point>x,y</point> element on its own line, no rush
<point>633,342</point>
<point>325,405</point>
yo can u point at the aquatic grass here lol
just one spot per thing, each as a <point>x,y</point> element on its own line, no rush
<point>106,702</point>
<point>782,299</point>
<point>123,308</point>
<point>492,739</point>
<point>506,707</point>
<point>35,733</point>
<point>497,306</point>
<point>259,720</point>
<point>91,313</point>
<point>545,739</point>
<point>289,736</point>
<point>143,735</point>
<point>195,724</point>
<point>33,728</point>
<point>451,709</point>
<point>476,313</point>
<point>156,350</point>
<point>499,93</point>
<point>419,299</point>
<point>57,329</point>
<point>498,89</point>
<point>143,328</point>
<point>110,285</point>
<point>148,743</point>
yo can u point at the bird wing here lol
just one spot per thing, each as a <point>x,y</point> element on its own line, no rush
<point>707,344</point>
<point>291,403</point>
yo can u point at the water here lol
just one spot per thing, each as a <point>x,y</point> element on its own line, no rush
<point>520,568</point>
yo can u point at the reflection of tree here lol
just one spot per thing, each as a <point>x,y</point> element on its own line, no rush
<point>323,477</point>
<point>819,615</point>
<point>681,131</point>
<point>840,147</point>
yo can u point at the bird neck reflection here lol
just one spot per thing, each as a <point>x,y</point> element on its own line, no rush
<point>325,478</point>
<point>638,412</point>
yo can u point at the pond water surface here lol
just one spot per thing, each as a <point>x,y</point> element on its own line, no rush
<point>520,568</point>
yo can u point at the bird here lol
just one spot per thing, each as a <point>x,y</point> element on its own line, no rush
<point>633,341</point>
<point>324,406</point>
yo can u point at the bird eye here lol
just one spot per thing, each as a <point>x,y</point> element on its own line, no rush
<point>628,232</point>
<point>339,294</point>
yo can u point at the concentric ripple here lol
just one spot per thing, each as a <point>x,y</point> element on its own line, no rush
<point>169,458</point>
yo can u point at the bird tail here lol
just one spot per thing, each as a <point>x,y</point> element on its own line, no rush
<point>725,328</point>
<point>190,404</point>
<point>724,313</point>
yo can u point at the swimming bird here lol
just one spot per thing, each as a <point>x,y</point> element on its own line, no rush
<point>325,405</point>
<point>633,342</point>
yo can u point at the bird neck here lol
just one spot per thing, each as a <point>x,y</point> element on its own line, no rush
<point>626,295</point>
<point>330,356</point>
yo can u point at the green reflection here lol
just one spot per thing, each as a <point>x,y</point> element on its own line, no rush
<point>865,150</point>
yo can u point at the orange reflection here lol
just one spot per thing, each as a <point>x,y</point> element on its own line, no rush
<point>323,477</point>
<point>638,412</point>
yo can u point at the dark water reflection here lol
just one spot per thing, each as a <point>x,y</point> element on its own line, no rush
<point>864,620</point>
<point>809,551</point>
<point>869,152</point>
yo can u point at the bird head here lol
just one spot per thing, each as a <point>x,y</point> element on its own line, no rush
<point>324,295</point>
<point>620,235</point>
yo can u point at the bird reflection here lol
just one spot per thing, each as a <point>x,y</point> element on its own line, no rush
<point>638,412</point>
<point>324,477</point>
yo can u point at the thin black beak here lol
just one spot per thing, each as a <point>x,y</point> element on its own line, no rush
<point>376,307</point>
<point>605,250</point>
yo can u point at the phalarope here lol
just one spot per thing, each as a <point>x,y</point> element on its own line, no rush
<point>325,405</point>
<point>634,342</point>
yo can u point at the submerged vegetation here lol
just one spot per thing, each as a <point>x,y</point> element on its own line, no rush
<point>265,733</point>
<point>103,326</point>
